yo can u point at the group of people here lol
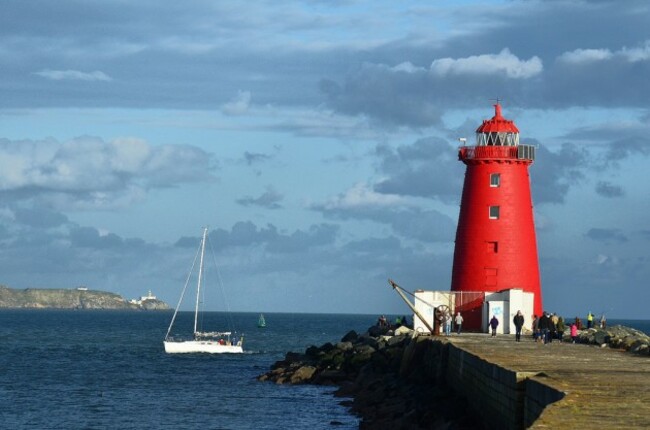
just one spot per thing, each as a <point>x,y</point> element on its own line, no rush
<point>458,322</point>
<point>545,328</point>
<point>548,327</point>
<point>383,322</point>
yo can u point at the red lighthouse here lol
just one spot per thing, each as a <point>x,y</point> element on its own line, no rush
<point>496,247</point>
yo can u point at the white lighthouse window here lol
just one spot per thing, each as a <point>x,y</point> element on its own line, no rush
<point>494,212</point>
<point>495,179</point>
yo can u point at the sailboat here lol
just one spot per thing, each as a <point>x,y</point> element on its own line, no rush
<point>213,342</point>
<point>261,323</point>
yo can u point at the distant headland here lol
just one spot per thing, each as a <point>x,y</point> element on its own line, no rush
<point>74,298</point>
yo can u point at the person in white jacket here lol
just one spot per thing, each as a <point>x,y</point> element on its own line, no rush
<point>459,322</point>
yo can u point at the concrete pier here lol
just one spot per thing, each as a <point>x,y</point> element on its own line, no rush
<point>560,386</point>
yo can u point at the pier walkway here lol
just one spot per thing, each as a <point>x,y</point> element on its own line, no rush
<point>603,388</point>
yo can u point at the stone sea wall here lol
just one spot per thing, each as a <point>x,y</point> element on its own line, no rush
<point>405,382</point>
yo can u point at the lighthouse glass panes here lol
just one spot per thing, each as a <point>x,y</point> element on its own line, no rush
<point>505,138</point>
<point>495,179</point>
<point>494,212</point>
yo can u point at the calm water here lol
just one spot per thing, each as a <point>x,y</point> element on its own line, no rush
<point>103,369</point>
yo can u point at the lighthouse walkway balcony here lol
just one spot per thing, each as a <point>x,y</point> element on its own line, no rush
<point>519,152</point>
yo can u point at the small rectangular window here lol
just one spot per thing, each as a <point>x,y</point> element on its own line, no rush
<point>495,179</point>
<point>491,276</point>
<point>492,247</point>
<point>494,212</point>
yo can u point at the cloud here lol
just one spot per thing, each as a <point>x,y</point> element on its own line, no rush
<point>588,56</point>
<point>247,234</point>
<point>88,172</point>
<point>406,220</point>
<point>388,97</point>
<point>38,217</point>
<point>89,237</point>
<point>73,75</point>
<point>269,200</point>
<point>609,190</point>
<point>554,172</point>
<point>427,168</point>
<point>361,196</point>
<point>606,235</point>
<point>585,56</point>
<point>238,106</point>
<point>253,158</point>
<point>503,63</point>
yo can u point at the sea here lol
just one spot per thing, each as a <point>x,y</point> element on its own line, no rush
<point>62,369</point>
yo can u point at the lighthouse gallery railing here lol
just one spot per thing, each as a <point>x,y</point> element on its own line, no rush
<point>520,152</point>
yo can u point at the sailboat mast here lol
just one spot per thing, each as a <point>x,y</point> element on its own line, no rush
<point>198,288</point>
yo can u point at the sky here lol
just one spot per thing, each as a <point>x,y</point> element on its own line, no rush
<point>318,141</point>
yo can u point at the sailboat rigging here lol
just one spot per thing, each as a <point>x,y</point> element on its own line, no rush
<point>214,342</point>
<point>261,322</point>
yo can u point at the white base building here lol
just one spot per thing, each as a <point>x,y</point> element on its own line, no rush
<point>503,304</point>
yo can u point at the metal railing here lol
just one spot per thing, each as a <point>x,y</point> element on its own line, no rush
<point>520,152</point>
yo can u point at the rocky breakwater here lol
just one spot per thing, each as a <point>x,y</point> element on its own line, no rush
<point>617,337</point>
<point>394,381</point>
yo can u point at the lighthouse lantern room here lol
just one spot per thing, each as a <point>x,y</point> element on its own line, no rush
<point>496,246</point>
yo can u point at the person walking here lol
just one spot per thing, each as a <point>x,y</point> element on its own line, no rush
<point>560,329</point>
<point>543,325</point>
<point>552,328</point>
<point>518,321</point>
<point>574,332</point>
<point>535,328</point>
<point>459,322</point>
<point>494,323</point>
<point>448,324</point>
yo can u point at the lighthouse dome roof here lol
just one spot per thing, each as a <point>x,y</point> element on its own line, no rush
<point>498,124</point>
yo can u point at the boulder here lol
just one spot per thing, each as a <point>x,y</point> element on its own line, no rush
<point>351,336</point>
<point>302,374</point>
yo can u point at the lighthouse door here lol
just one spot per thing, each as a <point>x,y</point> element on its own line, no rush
<point>496,309</point>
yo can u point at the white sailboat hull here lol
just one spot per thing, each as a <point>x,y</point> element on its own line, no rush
<point>194,346</point>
